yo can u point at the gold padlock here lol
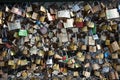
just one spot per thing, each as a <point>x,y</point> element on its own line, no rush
<point>39,44</point>
<point>28,15</point>
<point>85,29</point>
<point>18,62</point>
<point>79,54</point>
<point>56,67</point>
<point>90,24</point>
<point>42,18</point>
<point>75,74</point>
<point>102,14</point>
<point>24,74</point>
<point>11,62</point>
<point>13,66</point>
<point>37,61</point>
<point>87,7</point>
<point>50,53</point>
<point>107,42</point>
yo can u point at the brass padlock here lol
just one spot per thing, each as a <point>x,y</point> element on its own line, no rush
<point>107,42</point>
<point>42,18</point>
<point>34,16</point>
<point>28,15</point>
<point>87,7</point>
<point>37,61</point>
<point>96,7</point>
<point>56,67</point>
<point>84,47</point>
<point>90,24</point>
<point>102,14</point>
<point>50,53</point>
<point>79,54</point>
<point>76,74</point>
<point>86,73</point>
<point>24,74</point>
<point>19,62</point>
<point>82,58</point>
<point>11,62</point>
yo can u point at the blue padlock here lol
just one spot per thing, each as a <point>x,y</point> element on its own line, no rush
<point>38,22</point>
<point>106,54</point>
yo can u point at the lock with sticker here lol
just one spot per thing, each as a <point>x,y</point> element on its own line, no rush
<point>112,13</point>
<point>22,32</point>
<point>14,25</point>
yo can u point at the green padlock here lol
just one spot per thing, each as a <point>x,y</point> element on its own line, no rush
<point>22,33</point>
<point>94,29</point>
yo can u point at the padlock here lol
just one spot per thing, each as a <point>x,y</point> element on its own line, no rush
<point>24,74</point>
<point>87,7</point>
<point>85,29</point>
<point>88,56</point>
<point>82,58</point>
<point>86,73</point>
<point>50,53</point>
<point>42,9</point>
<point>34,16</point>
<point>91,41</point>
<point>112,13</point>
<point>102,14</point>
<point>90,24</point>
<point>22,32</point>
<point>79,22</point>
<point>29,8</point>
<point>1,13</point>
<point>41,53</point>
<point>107,42</point>
<point>115,46</point>
<point>87,65</point>
<point>68,23</point>
<point>84,47</point>
<point>23,62</point>
<point>117,67</point>
<point>79,54</point>
<point>96,7</point>
<point>11,62</point>
<point>28,15</point>
<point>115,56</point>
<point>95,66</point>
<point>42,18</point>
<point>14,25</point>
<point>76,74</point>
<point>63,14</point>
<point>113,75</point>
<point>16,10</point>
<point>56,67</point>
<point>76,8</point>
<point>2,63</point>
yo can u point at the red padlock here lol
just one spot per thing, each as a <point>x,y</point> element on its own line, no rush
<point>79,22</point>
